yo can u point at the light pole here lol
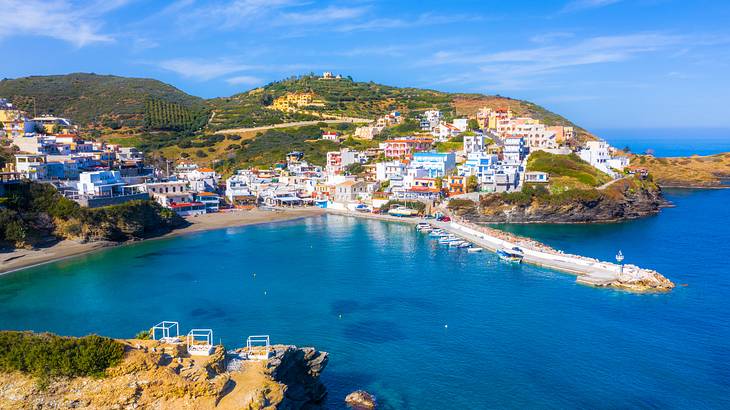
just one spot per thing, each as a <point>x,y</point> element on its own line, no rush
<point>620,259</point>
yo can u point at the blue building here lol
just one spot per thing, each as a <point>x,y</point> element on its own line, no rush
<point>437,164</point>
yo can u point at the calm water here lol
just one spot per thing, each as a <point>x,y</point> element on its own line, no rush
<point>517,337</point>
<point>675,142</point>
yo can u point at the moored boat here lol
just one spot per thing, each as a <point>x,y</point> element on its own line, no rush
<point>513,255</point>
<point>474,249</point>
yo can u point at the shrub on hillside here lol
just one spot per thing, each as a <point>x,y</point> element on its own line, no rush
<point>46,355</point>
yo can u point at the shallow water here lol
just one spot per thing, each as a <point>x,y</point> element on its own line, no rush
<point>517,336</point>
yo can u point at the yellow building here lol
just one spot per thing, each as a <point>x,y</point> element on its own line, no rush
<point>296,100</point>
<point>14,122</point>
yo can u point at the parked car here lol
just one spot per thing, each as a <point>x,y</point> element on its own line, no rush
<point>444,219</point>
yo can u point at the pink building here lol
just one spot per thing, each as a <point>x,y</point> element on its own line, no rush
<point>404,148</point>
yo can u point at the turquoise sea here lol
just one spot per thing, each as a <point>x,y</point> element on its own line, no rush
<point>419,325</point>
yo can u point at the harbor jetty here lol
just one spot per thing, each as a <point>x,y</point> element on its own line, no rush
<point>589,271</point>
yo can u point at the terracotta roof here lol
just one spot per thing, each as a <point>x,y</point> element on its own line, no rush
<point>206,170</point>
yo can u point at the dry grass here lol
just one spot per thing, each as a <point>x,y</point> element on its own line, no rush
<point>694,171</point>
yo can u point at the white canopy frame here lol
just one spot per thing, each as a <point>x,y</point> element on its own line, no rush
<point>165,331</point>
<point>258,347</point>
<point>200,342</point>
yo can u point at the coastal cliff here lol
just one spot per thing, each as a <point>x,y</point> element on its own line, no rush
<point>628,198</point>
<point>164,376</point>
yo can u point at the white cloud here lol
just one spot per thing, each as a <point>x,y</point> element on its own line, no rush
<point>60,19</point>
<point>579,5</point>
<point>519,69</point>
<point>202,70</point>
<point>244,80</point>
<point>550,37</point>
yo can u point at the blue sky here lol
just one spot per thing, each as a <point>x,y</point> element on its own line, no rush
<point>601,63</point>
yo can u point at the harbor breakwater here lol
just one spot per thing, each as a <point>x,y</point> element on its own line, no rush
<point>590,271</point>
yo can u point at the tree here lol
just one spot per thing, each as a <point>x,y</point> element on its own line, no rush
<point>439,183</point>
<point>472,184</point>
<point>473,124</point>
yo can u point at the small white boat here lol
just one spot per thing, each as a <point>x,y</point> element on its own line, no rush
<point>422,225</point>
<point>465,244</point>
<point>474,249</point>
<point>455,244</point>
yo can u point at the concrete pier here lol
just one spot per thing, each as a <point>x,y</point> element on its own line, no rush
<point>589,271</point>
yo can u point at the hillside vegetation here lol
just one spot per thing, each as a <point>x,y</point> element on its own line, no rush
<point>566,171</point>
<point>46,355</point>
<point>155,116</point>
<point>87,99</point>
<point>33,213</point>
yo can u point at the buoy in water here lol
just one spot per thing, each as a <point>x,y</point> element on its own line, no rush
<point>340,316</point>
<point>446,326</point>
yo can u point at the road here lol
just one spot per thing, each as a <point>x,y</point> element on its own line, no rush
<point>293,124</point>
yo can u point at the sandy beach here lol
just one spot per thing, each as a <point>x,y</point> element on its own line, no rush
<point>26,258</point>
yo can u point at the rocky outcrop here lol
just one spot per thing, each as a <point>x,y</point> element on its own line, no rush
<point>361,400</point>
<point>164,376</point>
<point>299,369</point>
<point>626,199</point>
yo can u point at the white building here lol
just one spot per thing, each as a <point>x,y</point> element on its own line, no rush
<point>101,183</point>
<point>597,154</point>
<point>474,144</point>
<point>461,124</point>
<point>238,188</point>
<point>430,120</point>
<point>388,170</point>
<point>514,150</point>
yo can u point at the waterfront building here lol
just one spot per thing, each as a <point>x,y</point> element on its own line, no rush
<point>238,189</point>
<point>437,164</point>
<point>350,191</point>
<point>188,208</point>
<point>455,184</point>
<point>211,201</point>
<point>331,136</point>
<point>168,192</point>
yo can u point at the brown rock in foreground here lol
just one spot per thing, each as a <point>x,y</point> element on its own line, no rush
<point>163,376</point>
<point>361,400</point>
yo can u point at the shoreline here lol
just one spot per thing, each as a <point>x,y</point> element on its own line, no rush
<point>20,259</point>
<point>588,271</point>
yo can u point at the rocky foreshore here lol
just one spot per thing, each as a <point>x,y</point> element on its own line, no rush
<point>164,376</point>
<point>625,199</point>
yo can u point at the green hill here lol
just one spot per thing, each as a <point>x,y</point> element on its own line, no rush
<point>105,100</point>
<point>152,114</point>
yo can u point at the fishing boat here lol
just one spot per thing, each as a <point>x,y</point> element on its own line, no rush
<point>422,225</point>
<point>474,249</point>
<point>402,211</point>
<point>513,255</point>
<point>465,244</point>
<point>438,233</point>
<point>455,244</point>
